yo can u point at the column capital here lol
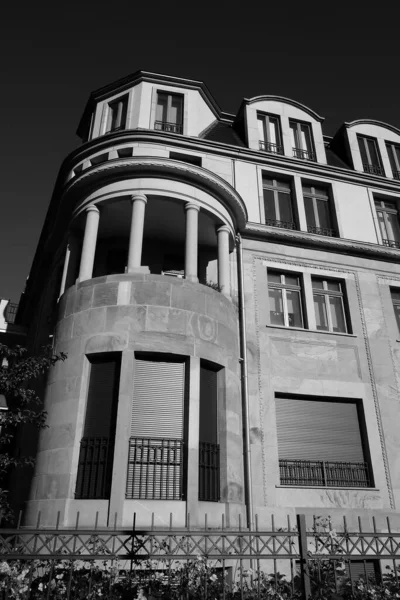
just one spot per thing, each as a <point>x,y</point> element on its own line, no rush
<point>92,207</point>
<point>137,197</point>
<point>223,228</point>
<point>191,205</point>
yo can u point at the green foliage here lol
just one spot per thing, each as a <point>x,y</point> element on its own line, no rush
<point>18,374</point>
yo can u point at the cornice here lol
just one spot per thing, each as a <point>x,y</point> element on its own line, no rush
<point>350,124</point>
<point>284,100</point>
<point>309,240</point>
<point>150,166</point>
<point>259,158</point>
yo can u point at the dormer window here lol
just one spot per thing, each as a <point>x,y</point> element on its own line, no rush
<point>370,156</point>
<point>388,218</point>
<point>117,111</point>
<point>393,151</point>
<point>302,141</point>
<point>269,133</point>
<point>169,112</point>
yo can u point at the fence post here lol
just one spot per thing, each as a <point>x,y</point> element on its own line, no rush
<point>304,571</point>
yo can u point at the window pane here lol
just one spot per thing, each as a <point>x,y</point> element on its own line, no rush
<point>291,280</point>
<point>274,277</point>
<point>317,284</point>
<point>276,307</point>
<point>310,217</point>
<point>293,134</point>
<point>283,185</point>
<point>323,214</point>
<point>269,204</point>
<point>175,115</point>
<point>273,131</point>
<point>334,286</point>
<point>396,308</point>
<point>395,295</point>
<point>305,137</point>
<point>285,207</point>
<point>373,152</point>
<point>267,181</point>
<point>337,315</point>
<point>382,225</point>
<point>294,309</point>
<point>363,152</point>
<point>162,104</point>
<point>321,192</point>
<point>320,312</point>
<point>391,151</point>
<point>260,123</point>
<point>393,227</point>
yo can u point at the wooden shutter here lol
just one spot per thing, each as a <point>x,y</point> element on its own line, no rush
<point>318,430</point>
<point>158,399</point>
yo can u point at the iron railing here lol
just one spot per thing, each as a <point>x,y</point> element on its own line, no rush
<point>155,469</point>
<point>270,147</point>
<point>304,154</point>
<point>209,483</point>
<point>10,312</point>
<point>324,473</point>
<point>373,169</point>
<point>94,468</point>
<point>281,224</point>
<point>170,127</point>
<point>321,230</point>
<point>396,174</point>
<point>391,243</point>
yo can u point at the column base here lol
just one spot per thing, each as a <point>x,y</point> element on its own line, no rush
<point>142,270</point>
<point>192,278</point>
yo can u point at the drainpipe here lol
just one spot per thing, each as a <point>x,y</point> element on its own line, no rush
<point>248,490</point>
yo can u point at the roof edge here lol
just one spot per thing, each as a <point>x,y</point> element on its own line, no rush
<point>306,109</point>
<point>349,124</point>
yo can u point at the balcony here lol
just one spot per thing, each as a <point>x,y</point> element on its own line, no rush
<point>170,127</point>
<point>304,154</point>
<point>209,485</point>
<point>321,231</point>
<point>281,224</point>
<point>373,169</point>
<point>155,469</point>
<point>270,147</point>
<point>94,468</point>
<point>323,473</point>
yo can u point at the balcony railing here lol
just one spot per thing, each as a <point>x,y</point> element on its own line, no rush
<point>324,473</point>
<point>396,174</point>
<point>391,243</point>
<point>374,169</point>
<point>155,469</point>
<point>281,224</point>
<point>304,154</point>
<point>170,127</point>
<point>209,485</point>
<point>321,230</point>
<point>94,468</point>
<point>270,147</point>
<point>10,312</point>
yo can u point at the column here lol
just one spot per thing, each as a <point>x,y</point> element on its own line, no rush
<point>70,263</point>
<point>223,259</point>
<point>191,245</point>
<point>136,235</point>
<point>89,242</point>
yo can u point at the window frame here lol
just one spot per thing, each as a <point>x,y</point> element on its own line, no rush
<point>284,287</point>
<point>118,106</point>
<point>267,145</point>
<point>298,150</point>
<point>379,204</point>
<point>315,197</point>
<point>168,125</point>
<point>370,167</point>
<point>276,190</point>
<point>393,151</point>
<point>326,293</point>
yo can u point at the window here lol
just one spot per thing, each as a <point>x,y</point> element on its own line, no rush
<point>284,292</point>
<point>97,445</point>
<point>329,305</point>
<point>320,443</point>
<point>388,219</point>
<point>188,158</point>
<point>393,151</point>
<point>209,484</point>
<point>156,445</point>
<point>318,213</point>
<point>269,133</point>
<point>278,203</point>
<point>302,141</point>
<point>117,111</point>
<point>370,156</point>
<point>169,112</point>
<point>395,293</point>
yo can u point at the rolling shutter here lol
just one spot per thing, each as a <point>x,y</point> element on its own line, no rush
<point>318,430</point>
<point>158,400</point>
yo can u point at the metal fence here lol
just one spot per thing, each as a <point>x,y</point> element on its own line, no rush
<point>221,562</point>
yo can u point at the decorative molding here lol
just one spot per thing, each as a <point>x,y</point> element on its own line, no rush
<point>374,390</point>
<point>319,241</point>
<point>284,100</point>
<point>150,166</point>
<point>349,124</point>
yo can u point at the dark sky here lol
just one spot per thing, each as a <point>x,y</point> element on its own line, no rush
<point>325,55</point>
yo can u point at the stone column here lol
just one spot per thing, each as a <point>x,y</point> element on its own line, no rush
<point>191,241</point>
<point>223,259</point>
<point>70,263</point>
<point>136,235</point>
<point>89,242</point>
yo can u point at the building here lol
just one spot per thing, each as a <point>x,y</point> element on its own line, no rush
<point>227,289</point>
